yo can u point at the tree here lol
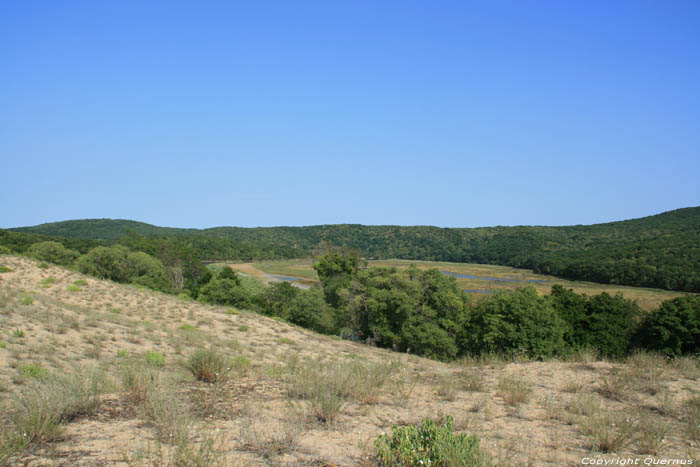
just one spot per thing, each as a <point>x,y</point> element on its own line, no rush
<point>53,252</point>
<point>673,329</point>
<point>514,323</point>
<point>335,269</point>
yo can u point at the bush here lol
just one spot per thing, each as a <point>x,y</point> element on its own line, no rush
<point>53,252</point>
<point>4,250</point>
<point>429,445</point>
<point>208,365</point>
<point>119,264</point>
<point>673,329</point>
<point>224,292</point>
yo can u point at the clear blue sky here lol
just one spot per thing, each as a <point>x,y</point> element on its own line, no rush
<point>261,113</point>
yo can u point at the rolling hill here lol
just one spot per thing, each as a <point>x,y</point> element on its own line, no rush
<point>661,251</point>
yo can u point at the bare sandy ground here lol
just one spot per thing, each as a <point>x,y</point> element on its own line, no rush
<point>246,416</point>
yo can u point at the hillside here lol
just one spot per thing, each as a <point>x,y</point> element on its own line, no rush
<point>280,403</point>
<point>660,251</point>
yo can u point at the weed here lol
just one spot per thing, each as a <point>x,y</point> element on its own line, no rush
<point>26,301</point>
<point>231,311</point>
<point>240,365</point>
<point>447,388</point>
<point>115,310</point>
<point>573,386</point>
<point>171,416</point>
<point>429,445</point>
<point>208,365</point>
<point>514,391</point>
<point>286,340</point>
<point>693,417</point>
<point>652,433</point>
<point>48,282</point>
<point>586,405</point>
<point>2,345</point>
<point>18,333</point>
<point>32,370</point>
<point>472,381</point>
<point>615,386</point>
<point>42,265</point>
<point>243,328</point>
<point>276,440</point>
<point>73,288</point>
<point>188,327</point>
<point>155,358</point>
<point>137,380</point>
<point>80,282</point>
<point>609,432</point>
<point>4,269</point>
<point>122,353</point>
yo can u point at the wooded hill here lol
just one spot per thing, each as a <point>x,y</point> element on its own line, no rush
<point>661,251</point>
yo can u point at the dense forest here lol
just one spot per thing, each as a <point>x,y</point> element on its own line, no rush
<point>661,251</point>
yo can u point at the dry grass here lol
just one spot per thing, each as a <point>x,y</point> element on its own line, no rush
<point>293,397</point>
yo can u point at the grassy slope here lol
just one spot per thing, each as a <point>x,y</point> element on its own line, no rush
<point>255,419</point>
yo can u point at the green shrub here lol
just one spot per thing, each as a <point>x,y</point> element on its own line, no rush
<point>18,333</point>
<point>26,300</point>
<point>80,282</point>
<point>243,328</point>
<point>428,444</point>
<point>673,329</point>
<point>122,353</point>
<point>4,251</point>
<point>73,288</point>
<point>119,264</point>
<point>42,265</point>
<point>225,291</point>
<point>208,365</point>
<point>53,252</point>
<point>155,359</point>
<point>4,268</point>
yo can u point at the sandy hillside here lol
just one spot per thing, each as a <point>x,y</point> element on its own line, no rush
<point>266,410</point>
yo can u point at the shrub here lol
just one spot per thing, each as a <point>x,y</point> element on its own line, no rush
<point>73,288</point>
<point>673,329</point>
<point>119,264</point>
<point>53,252</point>
<point>609,432</point>
<point>428,444</point>
<point>18,333</point>
<point>26,300</point>
<point>208,365</point>
<point>514,391</point>
<point>80,282</point>
<point>4,268</point>
<point>4,251</point>
<point>224,292</point>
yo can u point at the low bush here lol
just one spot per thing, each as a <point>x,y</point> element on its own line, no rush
<point>429,444</point>
<point>208,365</point>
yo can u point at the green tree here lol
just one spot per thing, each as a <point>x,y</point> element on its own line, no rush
<point>335,269</point>
<point>519,322</point>
<point>672,329</point>
<point>53,252</point>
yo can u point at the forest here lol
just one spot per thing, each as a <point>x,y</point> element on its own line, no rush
<point>660,251</point>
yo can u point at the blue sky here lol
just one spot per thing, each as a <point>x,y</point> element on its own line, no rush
<point>202,114</point>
